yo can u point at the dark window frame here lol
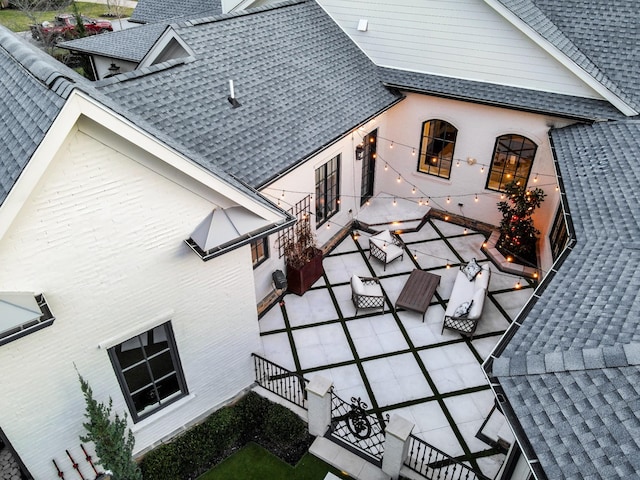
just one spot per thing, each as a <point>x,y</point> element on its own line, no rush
<point>327,191</point>
<point>257,259</point>
<point>432,146</point>
<point>508,156</point>
<point>177,368</point>
<point>559,233</point>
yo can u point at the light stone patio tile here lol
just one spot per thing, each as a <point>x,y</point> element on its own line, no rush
<point>319,283</point>
<point>388,392</point>
<point>433,254</point>
<point>368,346</point>
<point>490,466</point>
<point>312,307</point>
<point>384,324</point>
<point>346,245</point>
<point>361,327</point>
<point>404,412</point>
<point>312,356</point>
<point>399,265</point>
<point>423,334</point>
<point>502,280</point>
<point>448,229</point>
<point>346,377</point>
<point>404,365</point>
<point>272,320</point>
<point>447,279</point>
<point>468,431</point>
<point>425,233</point>
<point>469,246</point>
<point>340,268</point>
<point>276,348</point>
<point>428,417</point>
<point>393,342</point>
<point>356,391</point>
<point>463,409</point>
<point>378,370</point>
<point>392,286</point>
<point>444,439</point>
<point>306,337</point>
<point>343,297</point>
<point>485,346</point>
<point>492,321</point>
<point>513,302</point>
<point>414,387</point>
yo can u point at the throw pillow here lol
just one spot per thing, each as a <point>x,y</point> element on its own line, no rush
<point>471,269</point>
<point>356,285</point>
<point>463,309</point>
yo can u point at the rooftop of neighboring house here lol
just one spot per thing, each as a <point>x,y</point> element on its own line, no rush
<point>152,11</point>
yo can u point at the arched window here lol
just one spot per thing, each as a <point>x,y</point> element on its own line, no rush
<point>436,148</point>
<point>512,160</point>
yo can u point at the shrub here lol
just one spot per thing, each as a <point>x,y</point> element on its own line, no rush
<point>283,427</point>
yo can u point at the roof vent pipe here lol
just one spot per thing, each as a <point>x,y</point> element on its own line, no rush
<point>232,96</point>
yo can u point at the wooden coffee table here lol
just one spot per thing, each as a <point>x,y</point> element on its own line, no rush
<point>417,292</point>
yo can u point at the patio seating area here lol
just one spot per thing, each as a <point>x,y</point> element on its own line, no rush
<point>392,360</point>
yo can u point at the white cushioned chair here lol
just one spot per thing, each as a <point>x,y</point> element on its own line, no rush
<point>386,247</point>
<point>464,291</point>
<point>366,292</point>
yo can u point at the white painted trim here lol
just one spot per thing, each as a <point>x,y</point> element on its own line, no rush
<point>67,121</point>
<point>162,42</point>
<point>154,417</point>
<point>140,328</point>
<point>562,58</point>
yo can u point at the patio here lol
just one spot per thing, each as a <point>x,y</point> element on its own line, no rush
<point>394,361</point>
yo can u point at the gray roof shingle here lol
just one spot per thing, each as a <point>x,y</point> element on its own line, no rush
<point>34,91</point>
<point>501,95</point>
<point>581,414</point>
<point>600,37</point>
<point>151,11</point>
<point>129,44</point>
<point>307,86</point>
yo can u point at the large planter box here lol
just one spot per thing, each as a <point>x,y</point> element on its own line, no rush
<point>299,280</point>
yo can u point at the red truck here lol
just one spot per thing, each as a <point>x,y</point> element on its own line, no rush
<point>64,27</point>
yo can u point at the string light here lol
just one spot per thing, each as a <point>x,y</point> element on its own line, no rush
<point>282,193</point>
<point>413,152</point>
<point>420,201</point>
<point>482,169</point>
<point>457,163</point>
<point>557,188</point>
<point>448,199</point>
<point>395,202</point>
<point>413,190</point>
<point>399,179</point>
<point>386,167</point>
<point>465,230</point>
<point>391,145</point>
<point>328,225</point>
<point>446,218</point>
<point>535,179</point>
<point>476,199</point>
<point>518,285</point>
<point>426,202</point>
<point>415,255</point>
<point>448,264</point>
<point>356,235</point>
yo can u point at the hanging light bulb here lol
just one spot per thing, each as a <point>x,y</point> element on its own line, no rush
<point>535,275</point>
<point>420,202</point>
<point>557,187</point>
<point>457,163</point>
<point>282,193</point>
<point>448,264</point>
<point>465,230</point>
<point>518,285</point>
<point>426,202</point>
<point>279,203</point>
<point>399,179</point>
<point>482,169</point>
<point>368,202</point>
<point>484,244</point>
<point>413,152</point>
<point>356,235</point>
<point>502,196</point>
<point>415,255</point>
<point>413,190</point>
<point>476,199</point>
<point>448,199</point>
<point>328,225</point>
<point>446,218</point>
<point>386,167</point>
<point>395,202</point>
<point>338,201</point>
<point>371,139</point>
<point>535,179</point>
<point>391,145</point>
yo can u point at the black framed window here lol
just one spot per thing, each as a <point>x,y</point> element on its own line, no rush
<point>558,236</point>
<point>259,251</point>
<point>512,161</point>
<point>149,371</point>
<point>327,190</point>
<point>436,148</point>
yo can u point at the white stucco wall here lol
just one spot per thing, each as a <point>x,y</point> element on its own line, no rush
<point>102,237</point>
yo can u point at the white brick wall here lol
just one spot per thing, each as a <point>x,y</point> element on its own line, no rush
<point>102,237</point>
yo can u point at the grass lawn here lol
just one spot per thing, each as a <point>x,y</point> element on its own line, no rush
<point>253,462</point>
<point>17,21</point>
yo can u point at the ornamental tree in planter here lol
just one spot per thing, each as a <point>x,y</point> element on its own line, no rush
<point>303,258</point>
<point>518,236</point>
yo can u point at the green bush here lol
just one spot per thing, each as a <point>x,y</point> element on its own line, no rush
<point>283,427</point>
<point>228,429</point>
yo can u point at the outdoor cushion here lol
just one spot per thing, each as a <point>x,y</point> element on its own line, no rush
<point>357,286</point>
<point>471,269</point>
<point>482,279</point>
<point>383,236</point>
<point>463,309</point>
<point>477,303</point>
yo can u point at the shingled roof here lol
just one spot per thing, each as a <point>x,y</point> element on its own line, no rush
<point>503,96</point>
<point>301,82</point>
<point>34,90</point>
<point>600,37</point>
<point>130,44</point>
<point>152,11</point>
<point>571,372</point>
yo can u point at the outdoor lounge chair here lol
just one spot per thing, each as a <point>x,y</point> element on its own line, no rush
<point>366,292</point>
<point>386,247</point>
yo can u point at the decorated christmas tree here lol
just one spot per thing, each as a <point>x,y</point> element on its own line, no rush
<point>518,236</point>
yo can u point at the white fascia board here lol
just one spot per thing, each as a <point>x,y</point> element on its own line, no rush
<point>66,122</point>
<point>557,54</point>
<point>157,48</point>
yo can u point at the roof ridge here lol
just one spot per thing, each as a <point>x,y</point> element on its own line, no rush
<point>37,66</point>
<point>615,356</point>
<point>240,13</point>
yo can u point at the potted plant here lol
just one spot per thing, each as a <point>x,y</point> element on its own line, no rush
<point>518,236</point>
<point>303,258</point>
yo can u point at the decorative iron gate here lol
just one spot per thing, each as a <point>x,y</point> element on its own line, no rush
<point>356,430</point>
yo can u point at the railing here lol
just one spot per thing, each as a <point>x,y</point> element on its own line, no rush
<point>284,383</point>
<point>432,463</point>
